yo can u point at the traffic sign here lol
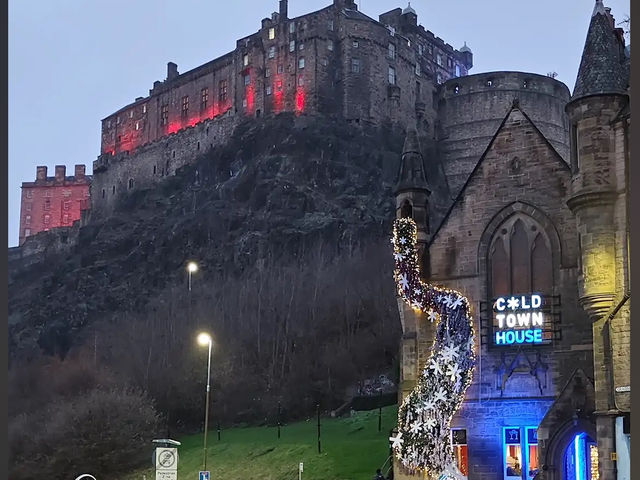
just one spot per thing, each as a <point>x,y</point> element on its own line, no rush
<point>204,475</point>
<point>166,463</point>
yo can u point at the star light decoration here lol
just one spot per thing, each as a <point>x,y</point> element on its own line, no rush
<point>423,442</point>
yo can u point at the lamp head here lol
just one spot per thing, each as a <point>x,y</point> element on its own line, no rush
<point>204,339</point>
<point>192,267</point>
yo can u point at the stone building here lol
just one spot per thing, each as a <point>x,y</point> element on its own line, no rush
<point>540,208</point>
<point>53,202</point>
<point>336,61</point>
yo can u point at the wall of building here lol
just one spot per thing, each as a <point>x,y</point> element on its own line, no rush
<point>471,108</point>
<point>53,202</point>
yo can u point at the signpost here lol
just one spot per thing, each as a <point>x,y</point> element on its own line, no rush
<point>300,470</point>
<point>166,463</point>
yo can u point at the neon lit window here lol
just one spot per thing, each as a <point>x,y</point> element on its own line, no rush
<point>532,452</point>
<point>279,86</point>
<point>460,452</point>
<point>512,459</point>
<point>272,33</point>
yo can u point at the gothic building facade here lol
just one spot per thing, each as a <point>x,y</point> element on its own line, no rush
<point>537,212</point>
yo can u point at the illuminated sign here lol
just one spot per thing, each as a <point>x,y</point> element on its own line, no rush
<point>519,320</point>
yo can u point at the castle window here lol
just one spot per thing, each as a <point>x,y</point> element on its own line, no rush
<point>525,84</point>
<point>65,218</point>
<point>430,49</point>
<point>406,211</point>
<point>47,193</point>
<point>244,103</point>
<point>130,183</point>
<point>29,194</point>
<point>131,114</point>
<point>449,62</point>
<point>439,79</point>
<point>245,60</point>
<point>47,204</point>
<point>325,62</point>
<point>66,205</point>
<point>268,89</point>
<point>301,46</point>
<point>439,59</point>
<point>392,75</point>
<point>489,83</point>
<point>301,62</point>
<point>154,172</point>
<point>457,70</point>
<point>222,90</point>
<point>113,189</point>
<point>280,68</point>
<point>27,206</point>
<point>204,98</point>
<point>272,52</point>
<point>301,81</point>
<point>27,220</point>
<point>137,125</point>
<point>355,65</point>
<point>418,91</point>
<point>392,51</point>
<point>330,25</point>
<point>27,232</point>
<point>330,45</point>
<point>247,80</point>
<point>575,155</point>
<point>292,27</point>
<point>47,219</point>
<point>292,46</point>
<point>418,71</point>
<point>117,120</point>
<point>119,138</point>
<point>267,72</point>
<point>144,108</point>
<point>279,86</point>
<point>185,106</point>
<point>355,44</point>
<point>108,123</point>
<point>456,89</point>
<point>164,114</point>
<point>272,33</point>
<point>103,193</point>
<point>420,49</point>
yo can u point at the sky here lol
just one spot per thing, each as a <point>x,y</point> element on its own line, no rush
<point>73,62</point>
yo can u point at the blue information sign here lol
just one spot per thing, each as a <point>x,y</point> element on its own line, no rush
<point>512,436</point>
<point>204,476</point>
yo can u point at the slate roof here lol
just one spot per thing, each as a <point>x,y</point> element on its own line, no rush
<point>411,175</point>
<point>603,64</point>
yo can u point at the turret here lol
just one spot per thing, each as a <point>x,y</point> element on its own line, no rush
<point>467,56</point>
<point>412,191</point>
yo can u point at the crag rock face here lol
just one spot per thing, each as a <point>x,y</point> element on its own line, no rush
<point>274,190</point>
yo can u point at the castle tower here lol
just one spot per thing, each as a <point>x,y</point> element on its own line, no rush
<point>599,158</point>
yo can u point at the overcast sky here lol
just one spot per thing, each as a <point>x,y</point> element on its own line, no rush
<point>73,62</point>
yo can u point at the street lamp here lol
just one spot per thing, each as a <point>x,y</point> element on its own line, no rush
<point>192,267</point>
<point>205,339</point>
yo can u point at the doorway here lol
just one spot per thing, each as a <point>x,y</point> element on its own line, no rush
<point>581,458</point>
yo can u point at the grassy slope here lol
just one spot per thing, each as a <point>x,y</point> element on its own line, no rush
<point>352,449</point>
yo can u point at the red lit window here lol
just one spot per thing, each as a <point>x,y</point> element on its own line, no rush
<point>278,86</point>
<point>27,220</point>
<point>164,114</point>
<point>185,106</point>
<point>460,453</point>
<point>204,98</point>
<point>222,90</point>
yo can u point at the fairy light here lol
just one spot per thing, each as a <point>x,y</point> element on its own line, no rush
<point>424,417</point>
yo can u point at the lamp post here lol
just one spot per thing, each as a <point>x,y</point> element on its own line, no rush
<point>205,339</point>
<point>192,267</point>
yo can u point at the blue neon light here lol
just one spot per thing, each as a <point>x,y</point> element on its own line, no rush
<point>509,337</point>
<point>579,455</point>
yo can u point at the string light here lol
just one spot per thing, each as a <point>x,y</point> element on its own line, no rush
<point>424,417</point>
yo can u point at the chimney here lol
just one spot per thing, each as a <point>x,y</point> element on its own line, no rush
<point>79,173</point>
<point>172,71</point>
<point>284,7</point>
<point>41,174</point>
<point>60,173</point>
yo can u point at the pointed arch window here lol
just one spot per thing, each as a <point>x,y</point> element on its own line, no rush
<point>520,259</point>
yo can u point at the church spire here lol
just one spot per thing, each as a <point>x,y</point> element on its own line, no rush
<point>411,175</point>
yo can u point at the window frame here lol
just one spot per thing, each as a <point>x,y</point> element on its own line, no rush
<point>392,78</point>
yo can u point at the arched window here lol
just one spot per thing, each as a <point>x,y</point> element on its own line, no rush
<point>406,211</point>
<point>520,259</point>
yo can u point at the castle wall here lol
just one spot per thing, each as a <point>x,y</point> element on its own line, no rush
<point>470,111</point>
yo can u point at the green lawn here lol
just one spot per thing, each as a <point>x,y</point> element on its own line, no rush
<point>352,449</point>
